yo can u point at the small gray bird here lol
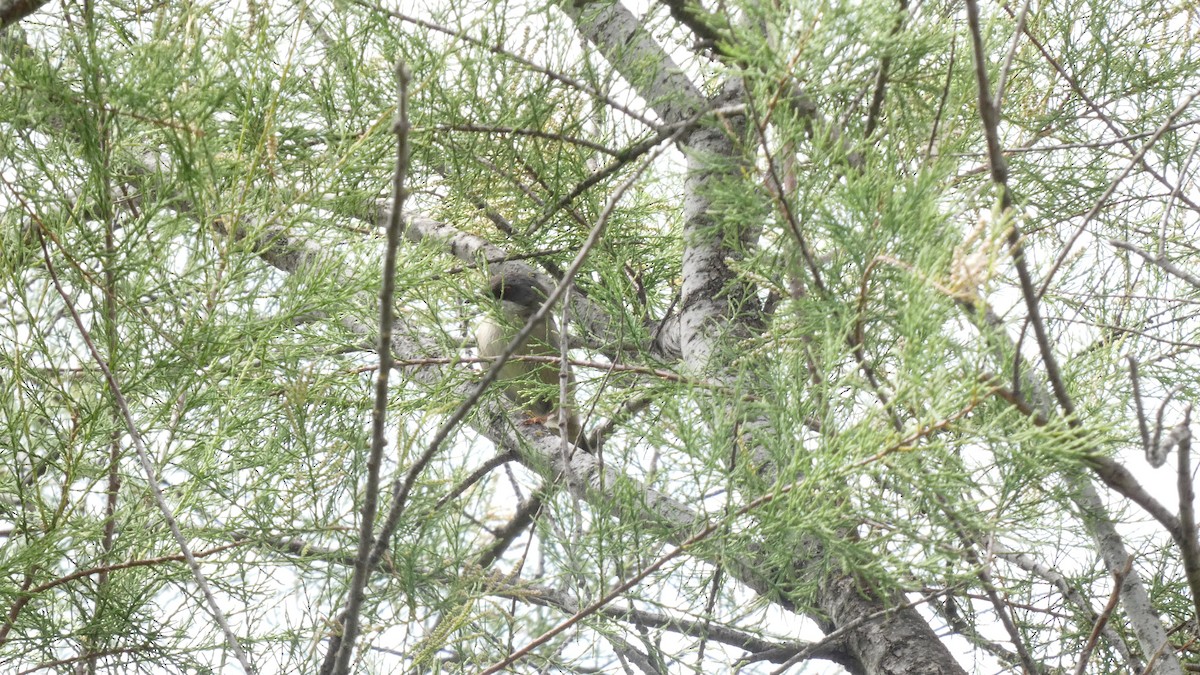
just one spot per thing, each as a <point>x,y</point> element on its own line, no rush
<point>533,385</point>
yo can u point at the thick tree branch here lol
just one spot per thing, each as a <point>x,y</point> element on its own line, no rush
<point>12,11</point>
<point>625,42</point>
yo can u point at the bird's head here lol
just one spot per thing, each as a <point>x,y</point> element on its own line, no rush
<point>519,292</point>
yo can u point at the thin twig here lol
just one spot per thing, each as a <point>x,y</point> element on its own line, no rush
<point>112,333</point>
<point>1143,428</point>
<point>1002,82</point>
<point>1176,194</point>
<point>1146,626</point>
<point>607,598</point>
<point>521,520</point>
<point>1003,612</point>
<point>337,658</point>
<point>881,78</point>
<point>152,480</point>
<point>130,564</point>
<point>857,340</point>
<point>937,118</point>
<point>1088,145</point>
<point>762,648</point>
<point>621,160</point>
<point>1112,187</point>
<point>1096,110</point>
<point>474,477</point>
<point>999,170</point>
<point>1161,261</point>
<point>535,133</point>
<point>778,192</point>
<point>1109,608</point>
<point>56,665</point>
<point>1070,593</point>
<point>501,51</point>
<point>566,396</point>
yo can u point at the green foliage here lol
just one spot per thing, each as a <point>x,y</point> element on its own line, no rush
<point>193,189</point>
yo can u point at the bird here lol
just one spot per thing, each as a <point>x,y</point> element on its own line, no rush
<point>533,385</point>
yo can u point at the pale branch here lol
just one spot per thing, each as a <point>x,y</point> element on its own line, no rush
<point>624,41</point>
<point>1189,546</point>
<point>1071,594</point>
<point>647,663</point>
<point>600,331</point>
<point>1161,261</point>
<point>645,64</point>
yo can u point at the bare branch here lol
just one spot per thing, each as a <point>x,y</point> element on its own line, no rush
<point>337,658</point>
<point>152,479</point>
<point>1161,261</point>
<point>1189,545</point>
<point>1102,620</point>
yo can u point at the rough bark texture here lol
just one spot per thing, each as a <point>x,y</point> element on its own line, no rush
<point>901,642</point>
<point>12,11</point>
